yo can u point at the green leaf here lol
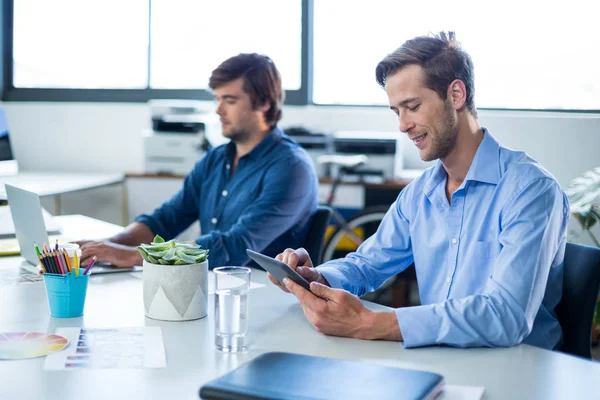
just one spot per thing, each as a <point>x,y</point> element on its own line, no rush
<point>158,239</point>
<point>185,257</point>
<point>143,253</point>
<point>170,255</point>
<point>156,247</point>
<point>583,194</point>
<point>152,259</point>
<point>163,262</point>
<point>157,254</point>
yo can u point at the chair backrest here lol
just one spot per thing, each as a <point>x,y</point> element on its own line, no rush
<point>315,236</point>
<point>580,291</point>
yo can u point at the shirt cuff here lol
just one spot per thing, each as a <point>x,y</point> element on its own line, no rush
<point>217,252</point>
<point>334,276</point>
<point>419,325</point>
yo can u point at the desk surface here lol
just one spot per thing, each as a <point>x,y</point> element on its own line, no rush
<point>276,323</point>
<point>55,183</point>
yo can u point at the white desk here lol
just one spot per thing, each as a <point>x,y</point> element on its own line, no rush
<point>276,324</point>
<point>57,184</point>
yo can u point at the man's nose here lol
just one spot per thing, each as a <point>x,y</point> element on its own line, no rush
<point>406,123</point>
<point>220,110</point>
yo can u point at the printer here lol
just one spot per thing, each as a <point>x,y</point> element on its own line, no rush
<point>182,131</point>
<point>315,143</point>
<point>384,150</point>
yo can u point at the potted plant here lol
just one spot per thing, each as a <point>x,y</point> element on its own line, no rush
<point>175,280</point>
<point>584,196</point>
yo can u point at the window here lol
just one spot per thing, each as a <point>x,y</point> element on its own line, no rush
<point>190,38</point>
<point>527,54</point>
<point>149,44</point>
<point>80,44</point>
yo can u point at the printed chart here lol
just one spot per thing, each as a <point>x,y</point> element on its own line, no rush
<point>110,348</point>
<point>22,345</point>
<point>9,277</point>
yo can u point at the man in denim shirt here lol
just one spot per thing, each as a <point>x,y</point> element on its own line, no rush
<point>259,191</point>
<point>485,227</point>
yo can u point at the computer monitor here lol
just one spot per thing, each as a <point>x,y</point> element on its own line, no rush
<point>8,164</point>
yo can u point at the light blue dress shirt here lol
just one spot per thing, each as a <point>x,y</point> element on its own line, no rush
<point>488,264</point>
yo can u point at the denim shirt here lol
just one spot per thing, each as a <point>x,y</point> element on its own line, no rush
<point>488,263</point>
<point>265,205</point>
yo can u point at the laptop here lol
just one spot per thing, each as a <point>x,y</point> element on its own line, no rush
<point>30,228</point>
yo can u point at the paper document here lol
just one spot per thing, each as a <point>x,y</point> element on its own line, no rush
<point>109,348</point>
<point>459,392</point>
<point>14,276</point>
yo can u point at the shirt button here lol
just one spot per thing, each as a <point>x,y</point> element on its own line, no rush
<point>448,280</point>
<point>214,221</point>
<point>224,193</point>
<point>454,241</point>
<point>228,166</point>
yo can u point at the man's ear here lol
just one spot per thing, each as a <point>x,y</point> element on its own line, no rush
<point>457,94</point>
<point>264,107</point>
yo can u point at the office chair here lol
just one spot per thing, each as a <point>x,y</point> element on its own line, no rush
<point>580,291</point>
<point>315,237</point>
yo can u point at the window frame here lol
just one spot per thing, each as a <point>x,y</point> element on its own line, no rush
<point>11,93</point>
<point>302,96</point>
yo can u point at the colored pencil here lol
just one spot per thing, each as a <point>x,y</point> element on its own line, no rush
<point>54,266</point>
<point>76,263</point>
<point>67,260</point>
<point>37,249</point>
<point>42,263</point>
<point>56,245</point>
<point>59,262</point>
<point>90,265</point>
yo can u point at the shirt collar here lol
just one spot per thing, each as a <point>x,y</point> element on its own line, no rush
<point>486,164</point>
<point>261,149</point>
<point>484,168</point>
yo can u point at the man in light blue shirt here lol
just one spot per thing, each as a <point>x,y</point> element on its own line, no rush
<point>485,227</point>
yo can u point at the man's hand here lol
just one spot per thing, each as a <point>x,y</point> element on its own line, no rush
<point>299,261</point>
<point>113,253</point>
<point>337,312</point>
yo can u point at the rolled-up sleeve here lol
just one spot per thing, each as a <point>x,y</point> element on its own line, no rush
<point>289,195</point>
<point>176,214</point>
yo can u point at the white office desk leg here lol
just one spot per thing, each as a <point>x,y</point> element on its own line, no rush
<point>57,204</point>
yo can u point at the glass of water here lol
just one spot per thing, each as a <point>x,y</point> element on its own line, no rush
<point>231,308</point>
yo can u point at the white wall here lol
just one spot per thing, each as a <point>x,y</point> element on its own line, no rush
<point>107,137</point>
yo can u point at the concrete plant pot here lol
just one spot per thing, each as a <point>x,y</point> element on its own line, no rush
<point>175,292</point>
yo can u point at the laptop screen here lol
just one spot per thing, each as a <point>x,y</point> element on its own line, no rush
<point>8,164</point>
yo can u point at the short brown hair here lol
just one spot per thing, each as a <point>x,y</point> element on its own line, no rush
<point>442,59</point>
<point>261,81</point>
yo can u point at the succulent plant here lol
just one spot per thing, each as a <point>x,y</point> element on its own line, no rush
<point>172,252</point>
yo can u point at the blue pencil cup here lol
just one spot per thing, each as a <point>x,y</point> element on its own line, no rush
<point>66,294</point>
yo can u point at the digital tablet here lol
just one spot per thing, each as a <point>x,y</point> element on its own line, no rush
<point>278,269</point>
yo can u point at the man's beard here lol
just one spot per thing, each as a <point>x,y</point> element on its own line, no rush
<point>443,144</point>
<point>238,135</point>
